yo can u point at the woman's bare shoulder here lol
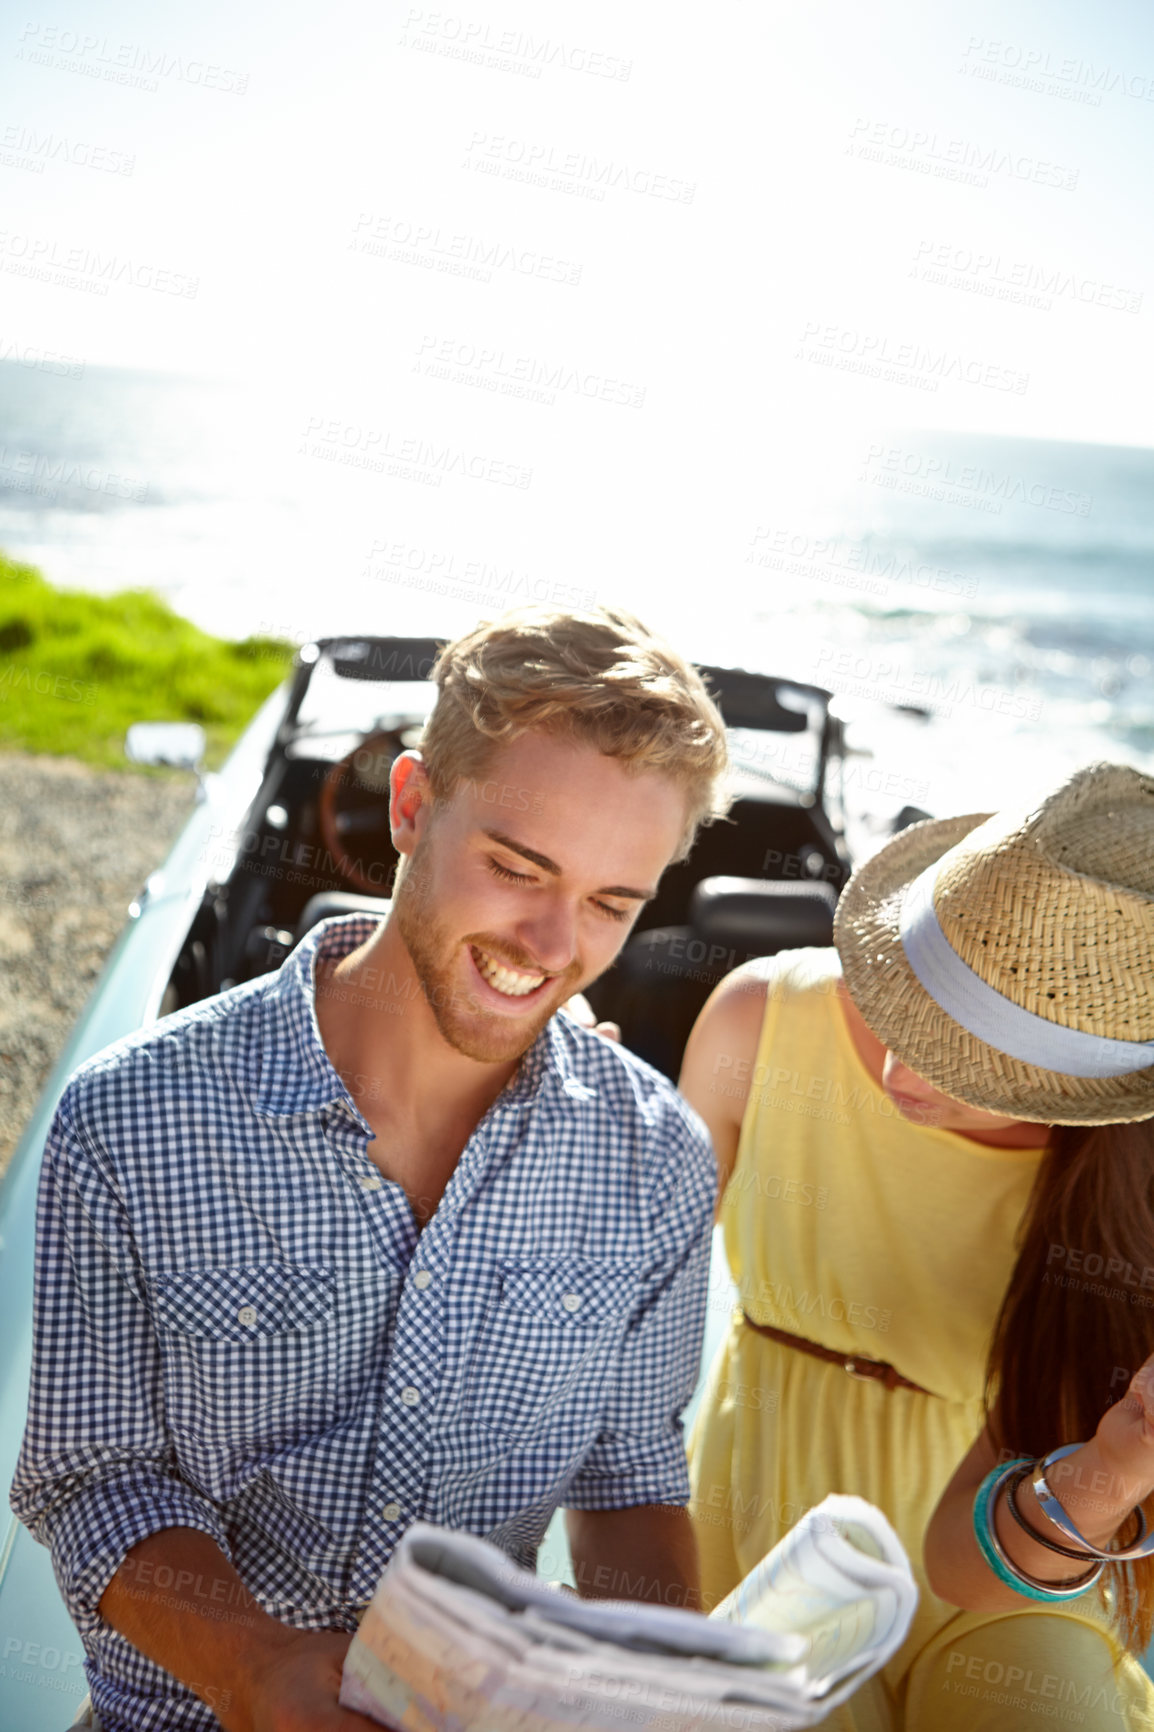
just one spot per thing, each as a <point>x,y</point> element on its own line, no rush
<point>736,1007</point>
<point>722,1049</point>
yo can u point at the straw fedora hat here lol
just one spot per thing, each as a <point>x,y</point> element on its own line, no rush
<point>1009,960</point>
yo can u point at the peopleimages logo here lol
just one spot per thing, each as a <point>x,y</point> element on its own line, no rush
<point>380,235</point>
<point>855,565</point>
<point>43,257</point>
<point>37,472</point>
<point>878,355</point>
<point>44,685</point>
<point>852,674</point>
<point>128,63</point>
<point>521,376</point>
<point>944,478</point>
<point>924,151</point>
<point>484,44</point>
<point>542,164</point>
<point>24,147</point>
<point>383,451</point>
<point>43,360</point>
<point>438,571</point>
<point>1029,67</point>
<point>1016,280</point>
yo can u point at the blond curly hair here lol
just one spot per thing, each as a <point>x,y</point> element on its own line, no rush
<point>598,677</point>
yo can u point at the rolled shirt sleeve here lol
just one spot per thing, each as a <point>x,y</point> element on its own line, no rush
<point>96,1472</point>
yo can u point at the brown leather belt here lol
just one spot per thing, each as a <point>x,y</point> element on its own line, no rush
<point>870,1370</point>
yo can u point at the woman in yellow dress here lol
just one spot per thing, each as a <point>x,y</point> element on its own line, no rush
<point>937,1165</point>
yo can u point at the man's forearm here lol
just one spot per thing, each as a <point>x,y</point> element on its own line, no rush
<point>644,1553</point>
<point>177,1598</point>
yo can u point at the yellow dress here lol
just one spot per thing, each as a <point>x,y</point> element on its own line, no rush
<point>848,1226</point>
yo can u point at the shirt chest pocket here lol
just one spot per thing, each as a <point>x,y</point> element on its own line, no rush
<point>544,1348</point>
<point>249,1353</point>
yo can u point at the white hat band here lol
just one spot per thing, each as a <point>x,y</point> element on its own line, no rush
<point>986,1013</point>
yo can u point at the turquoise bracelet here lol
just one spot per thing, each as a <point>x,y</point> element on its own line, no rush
<point>995,1557</point>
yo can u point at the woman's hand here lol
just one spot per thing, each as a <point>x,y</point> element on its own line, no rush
<point>581,1011</point>
<point>1126,1437</point>
<point>1098,1485</point>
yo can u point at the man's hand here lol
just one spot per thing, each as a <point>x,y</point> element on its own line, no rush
<point>647,1552</point>
<point>581,1011</point>
<point>296,1689</point>
<point>177,1599</point>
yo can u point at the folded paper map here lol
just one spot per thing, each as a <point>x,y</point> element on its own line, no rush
<point>458,1637</point>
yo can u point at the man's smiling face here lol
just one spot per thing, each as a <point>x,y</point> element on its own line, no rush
<point>521,889</point>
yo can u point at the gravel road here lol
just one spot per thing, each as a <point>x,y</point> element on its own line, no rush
<point>76,845</point>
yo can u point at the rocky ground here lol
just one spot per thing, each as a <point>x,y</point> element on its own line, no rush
<point>76,844</point>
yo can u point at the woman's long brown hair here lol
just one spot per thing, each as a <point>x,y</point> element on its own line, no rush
<point>1077,1319</point>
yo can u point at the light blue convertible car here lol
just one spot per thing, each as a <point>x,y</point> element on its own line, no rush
<point>293,829</point>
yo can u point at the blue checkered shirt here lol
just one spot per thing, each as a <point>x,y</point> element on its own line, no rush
<point>240,1328</point>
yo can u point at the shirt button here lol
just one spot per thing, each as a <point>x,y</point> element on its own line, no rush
<point>572,1301</point>
<point>423,1278</point>
<point>246,1315</point>
<point>369,1182</point>
<point>410,1396</point>
<point>391,1511</point>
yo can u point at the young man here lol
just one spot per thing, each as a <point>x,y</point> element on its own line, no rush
<point>380,1237</point>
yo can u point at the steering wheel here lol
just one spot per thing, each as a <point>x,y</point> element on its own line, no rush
<point>354,810</point>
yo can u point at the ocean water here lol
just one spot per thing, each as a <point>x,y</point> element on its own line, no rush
<point>982,608</point>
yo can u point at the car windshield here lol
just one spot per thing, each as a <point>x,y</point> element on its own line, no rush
<point>339,708</point>
<point>338,711</point>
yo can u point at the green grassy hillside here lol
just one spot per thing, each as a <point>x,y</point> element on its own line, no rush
<point>76,669</point>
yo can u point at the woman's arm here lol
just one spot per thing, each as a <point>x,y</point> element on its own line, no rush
<point>719,1060</point>
<point>1098,1486</point>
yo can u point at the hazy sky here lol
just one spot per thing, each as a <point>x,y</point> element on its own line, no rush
<point>607,301</point>
<point>753,220</point>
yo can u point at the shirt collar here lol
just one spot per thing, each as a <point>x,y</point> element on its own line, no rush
<point>525,1083</point>
<point>296,1073</point>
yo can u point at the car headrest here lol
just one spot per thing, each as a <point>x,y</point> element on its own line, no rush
<point>763,916</point>
<point>332,902</point>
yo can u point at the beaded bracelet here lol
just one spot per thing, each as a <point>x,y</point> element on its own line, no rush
<point>995,1557</point>
<point>1142,1546</point>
